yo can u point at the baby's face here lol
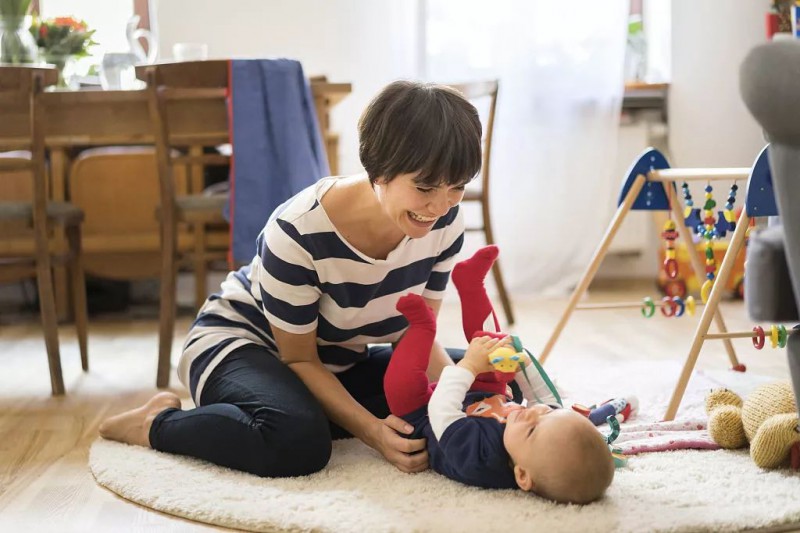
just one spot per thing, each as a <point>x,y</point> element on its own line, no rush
<point>539,431</point>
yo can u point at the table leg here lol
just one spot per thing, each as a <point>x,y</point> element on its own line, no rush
<point>59,162</point>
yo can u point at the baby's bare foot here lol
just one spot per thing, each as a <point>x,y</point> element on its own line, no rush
<point>133,427</point>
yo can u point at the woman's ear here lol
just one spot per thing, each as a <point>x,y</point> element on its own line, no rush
<point>523,478</point>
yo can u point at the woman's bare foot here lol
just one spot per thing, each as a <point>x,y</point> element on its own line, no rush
<point>133,427</point>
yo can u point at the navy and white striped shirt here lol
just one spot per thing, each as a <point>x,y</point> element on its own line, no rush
<point>307,277</point>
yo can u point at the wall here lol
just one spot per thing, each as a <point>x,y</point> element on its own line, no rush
<point>709,125</point>
<point>363,42</point>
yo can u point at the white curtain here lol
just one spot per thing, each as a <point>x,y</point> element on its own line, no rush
<point>560,66</point>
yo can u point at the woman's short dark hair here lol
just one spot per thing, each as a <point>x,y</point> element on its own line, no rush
<point>420,127</point>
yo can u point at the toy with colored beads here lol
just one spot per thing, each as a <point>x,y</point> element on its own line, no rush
<point>669,235</point>
<point>671,306</point>
<point>649,186</point>
<point>708,231</point>
<point>670,259</point>
<point>691,215</point>
<point>674,306</point>
<point>728,214</point>
<point>778,336</point>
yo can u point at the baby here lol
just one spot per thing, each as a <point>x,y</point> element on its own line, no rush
<point>475,433</point>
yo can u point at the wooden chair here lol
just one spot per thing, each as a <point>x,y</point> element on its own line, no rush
<point>20,104</point>
<point>117,188</point>
<point>172,90</point>
<point>476,91</point>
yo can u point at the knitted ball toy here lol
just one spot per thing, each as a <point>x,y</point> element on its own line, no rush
<point>767,419</point>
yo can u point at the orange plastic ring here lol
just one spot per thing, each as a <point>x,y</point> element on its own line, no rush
<point>671,268</point>
<point>758,340</point>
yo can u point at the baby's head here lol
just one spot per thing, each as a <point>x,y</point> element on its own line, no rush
<point>558,454</point>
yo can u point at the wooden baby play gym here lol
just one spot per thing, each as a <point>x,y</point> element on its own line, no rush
<point>651,185</point>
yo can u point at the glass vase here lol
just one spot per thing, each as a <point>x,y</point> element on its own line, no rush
<point>63,64</point>
<point>17,45</point>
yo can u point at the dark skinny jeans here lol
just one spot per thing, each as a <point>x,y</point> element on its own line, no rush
<point>257,416</point>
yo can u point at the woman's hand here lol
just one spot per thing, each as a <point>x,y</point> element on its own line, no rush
<point>408,455</point>
<point>476,358</point>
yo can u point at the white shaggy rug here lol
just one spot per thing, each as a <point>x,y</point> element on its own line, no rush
<point>358,491</point>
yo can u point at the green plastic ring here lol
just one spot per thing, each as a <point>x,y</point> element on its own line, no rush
<point>782,336</point>
<point>613,423</point>
<point>648,307</point>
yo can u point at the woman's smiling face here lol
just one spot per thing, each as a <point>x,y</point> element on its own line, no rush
<point>415,207</point>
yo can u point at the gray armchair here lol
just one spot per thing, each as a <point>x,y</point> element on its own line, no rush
<point>770,88</point>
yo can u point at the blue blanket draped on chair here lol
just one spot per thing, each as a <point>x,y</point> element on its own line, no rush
<point>277,145</point>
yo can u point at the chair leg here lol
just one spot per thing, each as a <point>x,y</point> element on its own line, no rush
<point>498,276</point>
<point>501,288</point>
<point>200,266</point>
<point>78,286</point>
<point>168,305</point>
<point>47,307</point>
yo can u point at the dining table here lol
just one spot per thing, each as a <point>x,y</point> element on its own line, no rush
<point>81,119</point>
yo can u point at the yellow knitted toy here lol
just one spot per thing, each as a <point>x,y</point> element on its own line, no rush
<point>767,419</point>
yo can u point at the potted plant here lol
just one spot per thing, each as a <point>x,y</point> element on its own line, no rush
<point>61,40</point>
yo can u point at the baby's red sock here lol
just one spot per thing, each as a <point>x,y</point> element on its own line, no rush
<point>468,276</point>
<point>405,382</point>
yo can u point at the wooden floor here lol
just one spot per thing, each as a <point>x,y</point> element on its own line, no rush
<point>45,484</point>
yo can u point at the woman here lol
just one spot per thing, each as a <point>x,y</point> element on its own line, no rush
<point>278,362</point>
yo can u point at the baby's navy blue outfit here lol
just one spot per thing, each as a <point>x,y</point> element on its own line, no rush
<point>471,449</point>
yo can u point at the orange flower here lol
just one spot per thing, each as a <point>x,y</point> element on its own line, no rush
<point>78,25</point>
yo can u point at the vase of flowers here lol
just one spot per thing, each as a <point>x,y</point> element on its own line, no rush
<point>61,40</point>
<point>16,43</point>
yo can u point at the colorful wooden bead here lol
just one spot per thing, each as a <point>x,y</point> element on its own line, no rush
<point>782,336</point>
<point>668,306</point>
<point>705,290</point>
<point>648,307</point>
<point>758,338</point>
<point>671,268</point>
<point>681,306</point>
<point>774,336</point>
<point>691,305</point>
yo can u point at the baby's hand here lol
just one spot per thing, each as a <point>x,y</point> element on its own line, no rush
<point>476,358</point>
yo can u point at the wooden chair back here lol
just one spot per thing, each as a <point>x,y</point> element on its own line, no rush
<point>474,91</point>
<point>172,89</point>
<point>479,90</point>
<point>20,106</point>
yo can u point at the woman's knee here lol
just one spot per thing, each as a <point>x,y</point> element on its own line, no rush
<point>297,444</point>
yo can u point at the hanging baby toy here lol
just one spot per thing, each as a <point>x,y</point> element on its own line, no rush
<point>728,214</point>
<point>708,231</point>
<point>669,234</point>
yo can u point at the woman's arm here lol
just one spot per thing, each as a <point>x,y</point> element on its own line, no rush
<point>299,352</point>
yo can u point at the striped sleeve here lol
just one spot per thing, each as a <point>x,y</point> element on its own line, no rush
<point>285,280</point>
<point>452,240</point>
